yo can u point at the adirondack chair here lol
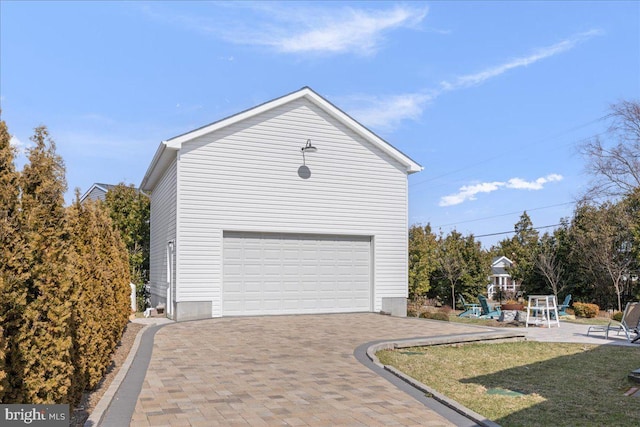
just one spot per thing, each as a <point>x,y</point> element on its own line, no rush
<point>487,312</point>
<point>562,307</point>
<point>628,324</point>
<point>470,310</point>
<point>565,304</point>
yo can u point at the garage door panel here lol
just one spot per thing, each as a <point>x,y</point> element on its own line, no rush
<point>287,273</point>
<point>273,270</point>
<point>269,253</point>
<point>359,270</point>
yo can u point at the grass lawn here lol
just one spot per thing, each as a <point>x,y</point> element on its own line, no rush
<point>589,321</point>
<point>555,384</point>
<point>475,321</point>
<point>453,317</point>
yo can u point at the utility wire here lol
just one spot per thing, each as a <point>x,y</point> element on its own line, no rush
<point>486,160</point>
<point>512,231</point>
<point>501,215</point>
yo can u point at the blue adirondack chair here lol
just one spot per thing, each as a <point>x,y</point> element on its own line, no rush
<point>487,312</point>
<point>562,307</point>
<point>470,310</point>
<point>565,304</point>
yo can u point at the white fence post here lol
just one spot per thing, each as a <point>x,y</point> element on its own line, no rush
<point>133,297</point>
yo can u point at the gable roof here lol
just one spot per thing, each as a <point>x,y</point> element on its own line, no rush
<point>166,150</point>
<point>497,269</point>
<point>98,185</point>
<point>498,259</point>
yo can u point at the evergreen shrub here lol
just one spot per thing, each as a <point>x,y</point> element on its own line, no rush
<point>64,282</point>
<point>587,310</point>
<point>437,315</point>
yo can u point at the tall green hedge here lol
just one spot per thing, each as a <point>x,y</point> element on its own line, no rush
<point>12,271</point>
<point>64,282</point>
<point>45,343</point>
<point>100,291</point>
<point>129,210</point>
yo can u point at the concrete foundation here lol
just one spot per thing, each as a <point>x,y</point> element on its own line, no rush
<point>192,310</point>
<point>396,306</point>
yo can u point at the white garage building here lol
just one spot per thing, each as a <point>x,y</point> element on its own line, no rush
<point>290,207</point>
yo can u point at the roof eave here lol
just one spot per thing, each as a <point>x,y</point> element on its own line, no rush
<point>161,161</point>
<point>162,158</point>
<point>411,165</point>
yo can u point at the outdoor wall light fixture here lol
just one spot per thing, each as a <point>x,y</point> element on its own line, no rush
<point>303,171</point>
<point>308,148</point>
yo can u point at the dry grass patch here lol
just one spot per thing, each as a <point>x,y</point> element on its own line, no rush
<point>561,384</point>
<point>483,322</point>
<point>589,321</point>
<point>494,322</point>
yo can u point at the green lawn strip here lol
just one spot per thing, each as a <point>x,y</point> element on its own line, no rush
<point>494,322</point>
<point>561,384</point>
<point>475,321</point>
<point>588,321</point>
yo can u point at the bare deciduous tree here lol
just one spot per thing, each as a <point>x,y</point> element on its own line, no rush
<point>549,266</point>
<point>603,236</point>
<point>452,264</point>
<point>615,166</point>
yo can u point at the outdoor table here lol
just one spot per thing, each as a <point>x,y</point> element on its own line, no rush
<point>540,308</point>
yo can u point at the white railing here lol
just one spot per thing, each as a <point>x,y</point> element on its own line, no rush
<point>490,290</point>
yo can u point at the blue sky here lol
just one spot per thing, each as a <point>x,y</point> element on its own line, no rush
<point>490,97</point>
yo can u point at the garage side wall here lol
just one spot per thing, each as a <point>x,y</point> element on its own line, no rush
<point>252,177</point>
<point>163,230</point>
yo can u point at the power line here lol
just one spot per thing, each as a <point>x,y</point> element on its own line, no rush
<point>519,148</point>
<point>512,231</point>
<point>505,214</point>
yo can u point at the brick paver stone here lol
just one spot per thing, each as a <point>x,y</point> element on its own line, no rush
<point>279,370</point>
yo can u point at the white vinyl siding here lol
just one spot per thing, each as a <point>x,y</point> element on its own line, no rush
<point>245,178</point>
<point>163,230</point>
<point>267,273</point>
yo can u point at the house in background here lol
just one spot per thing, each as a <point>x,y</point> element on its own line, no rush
<point>289,207</point>
<point>99,191</point>
<point>500,279</point>
<point>96,192</point>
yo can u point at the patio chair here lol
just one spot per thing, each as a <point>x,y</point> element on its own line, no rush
<point>470,310</point>
<point>486,312</point>
<point>628,324</point>
<point>565,304</point>
<point>562,307</point>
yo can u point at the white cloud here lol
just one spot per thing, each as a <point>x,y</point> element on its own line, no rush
<point>386,113</point>
<point>468,192</point>
<point>380,114</point>
<point>15,142</point>
<point>538,184</point>
<point>20,147</point>
<point>539,54</point>
<point>298,29</point>
<point>349,30</point>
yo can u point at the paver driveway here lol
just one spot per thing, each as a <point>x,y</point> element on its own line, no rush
<point>279,370</point>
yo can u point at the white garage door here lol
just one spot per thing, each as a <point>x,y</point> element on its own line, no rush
<point>266,273</point>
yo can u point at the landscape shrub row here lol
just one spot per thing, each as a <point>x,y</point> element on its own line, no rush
<point>64,281</point>
<point>435,315</point>
<point>582,309</point>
